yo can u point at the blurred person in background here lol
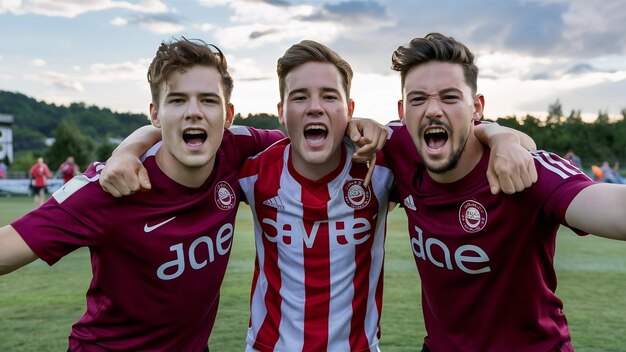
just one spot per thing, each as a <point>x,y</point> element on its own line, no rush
<point>39,175</point>
<point>68,169</point>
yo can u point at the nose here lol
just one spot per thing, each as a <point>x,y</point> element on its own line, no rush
<point>315,107</point>
<point>433,107</point>
<point>193,111</point>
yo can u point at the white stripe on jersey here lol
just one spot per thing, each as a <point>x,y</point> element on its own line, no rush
<point>556,164</point>
<point>240,130</point>
<point>291,268</point>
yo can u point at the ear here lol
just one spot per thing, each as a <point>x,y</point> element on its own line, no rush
<point>230,115</point>
<point>479,107</point>
<point>350,109</point>
<point>401,110</point>
<point>281,118</point>
<point>154,116</point>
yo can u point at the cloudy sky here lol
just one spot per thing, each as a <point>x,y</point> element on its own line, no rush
<point>530,52</point>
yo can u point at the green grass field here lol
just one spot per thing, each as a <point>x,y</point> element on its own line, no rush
<point>38,304</point>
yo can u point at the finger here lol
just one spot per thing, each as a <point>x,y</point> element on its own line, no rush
<point>144,179</point>
<point>370,171</point>
<point>353,132</point>
<point>130,182</point>
<point>506,185</point>
<point>108,187</point>
<point>532,170</point>
<point>494,185</point>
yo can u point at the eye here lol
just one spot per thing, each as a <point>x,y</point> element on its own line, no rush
<point>330,97</point>
<point>210,101</point>
<point>418,100</point>
<point>298,98</point>
<point>176,101</point>
<point>450,98</point>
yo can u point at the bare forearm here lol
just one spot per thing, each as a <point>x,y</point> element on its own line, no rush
<point>139,141</point>
<point>14,252</point>
<point>487,133</point>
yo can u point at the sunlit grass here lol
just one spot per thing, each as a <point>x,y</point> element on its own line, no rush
<point>39,304</point>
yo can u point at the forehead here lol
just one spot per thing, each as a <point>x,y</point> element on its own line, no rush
<point>194,80</point>
<point>314,75</point>
<point>435,76</point>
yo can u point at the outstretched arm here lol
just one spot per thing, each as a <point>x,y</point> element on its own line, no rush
<point>511,167</point>
<point>124,173</point>
<point>14,252</point>
<point>600,209</point>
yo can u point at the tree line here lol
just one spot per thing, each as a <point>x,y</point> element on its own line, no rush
<point>91,133</point>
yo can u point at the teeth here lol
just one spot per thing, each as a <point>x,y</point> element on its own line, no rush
<point>315,127</point>
<point>194,132</point>
<point>435,130</point>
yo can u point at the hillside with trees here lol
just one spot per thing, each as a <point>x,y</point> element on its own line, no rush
<point>89,132</point>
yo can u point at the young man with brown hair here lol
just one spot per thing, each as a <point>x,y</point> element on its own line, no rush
<point>150,251</point>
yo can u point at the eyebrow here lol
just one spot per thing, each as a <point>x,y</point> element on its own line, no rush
<point>305,90</point>
<point>204,95</point>
<point>443,91</point>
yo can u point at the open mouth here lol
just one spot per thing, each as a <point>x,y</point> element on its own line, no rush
<point>315,133</point>
<point>194,137</point>
<point>435,137</point>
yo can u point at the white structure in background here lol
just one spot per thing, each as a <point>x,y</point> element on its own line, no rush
<point>6,137</point>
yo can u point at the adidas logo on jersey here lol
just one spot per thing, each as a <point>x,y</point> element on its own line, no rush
<point>409,203</point>
<point>274,203</point>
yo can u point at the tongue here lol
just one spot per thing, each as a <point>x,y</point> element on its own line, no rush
<point>435,141</point>
<point>194,141</point>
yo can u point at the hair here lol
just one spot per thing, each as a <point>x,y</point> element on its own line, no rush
<point>311,51</point>
<point>181,54</point>
<point>435,47</point>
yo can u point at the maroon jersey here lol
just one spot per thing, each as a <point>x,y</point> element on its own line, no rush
<point>158,258</point>
<point>486,261</point>
<point>320,245</point>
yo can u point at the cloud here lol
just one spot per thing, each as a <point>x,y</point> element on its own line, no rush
<point>124,71</point>
<point>258,23</point>
<point>72,8</point>
<point>71,86</point>
<point>247,69</point>
<point>58,80</point>
<point>351,11</point>
<point>38,62</point>
<point>204,27</point>
<point>160,24</point>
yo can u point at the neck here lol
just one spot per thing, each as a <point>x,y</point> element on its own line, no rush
<point>316,170</point>
<point>187,176</point>
<point>469,159</point>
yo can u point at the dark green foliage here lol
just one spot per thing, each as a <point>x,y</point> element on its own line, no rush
<point>264,121</point>
<point>37,120</point>
<point>594,142</point>
<point>69,141</point>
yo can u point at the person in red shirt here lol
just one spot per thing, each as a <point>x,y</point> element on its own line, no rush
<point>68,169</point>
<point>39,175</point>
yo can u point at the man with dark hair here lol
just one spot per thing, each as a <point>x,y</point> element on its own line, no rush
<point>150,251</point>
<point>485,260</point>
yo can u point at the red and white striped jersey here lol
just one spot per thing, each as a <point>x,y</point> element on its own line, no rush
<point>318,279</point>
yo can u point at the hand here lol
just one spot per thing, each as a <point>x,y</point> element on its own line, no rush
<point>370,136</point>
<point>511,167</point>
<point>123,175</point>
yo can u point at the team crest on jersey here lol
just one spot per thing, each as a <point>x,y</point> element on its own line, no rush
<point>224,196</point>
<point>472,216</point>
<point>355,195</point>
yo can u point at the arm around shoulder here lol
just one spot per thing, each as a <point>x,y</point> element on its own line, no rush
<point>600,209</point>
<point>14,252</point>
